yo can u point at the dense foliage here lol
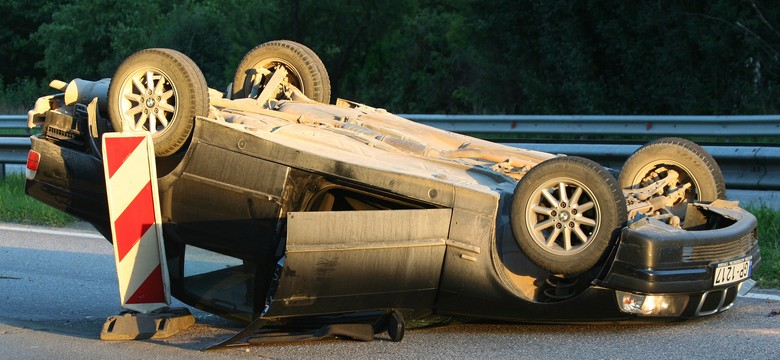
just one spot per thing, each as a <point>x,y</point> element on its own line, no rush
<point>430,56</point>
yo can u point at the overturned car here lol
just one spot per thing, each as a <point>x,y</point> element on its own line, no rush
<point>311,212</point>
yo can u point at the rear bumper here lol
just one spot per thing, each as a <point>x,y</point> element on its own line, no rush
<point>71,181</point>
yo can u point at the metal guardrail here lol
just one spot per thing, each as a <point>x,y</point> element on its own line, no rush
<point>729,126</point>
<point>13,150</point>
<point>744,167</point>
<point>13,121</point>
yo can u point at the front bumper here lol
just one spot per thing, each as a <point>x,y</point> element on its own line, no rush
<point>654,258</point>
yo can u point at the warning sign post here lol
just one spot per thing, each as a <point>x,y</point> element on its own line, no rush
<point>139,252</point>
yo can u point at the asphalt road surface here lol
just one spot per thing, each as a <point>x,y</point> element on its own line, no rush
<point>57,287</point>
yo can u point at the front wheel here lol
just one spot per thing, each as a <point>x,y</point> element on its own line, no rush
<point>304,69</point>
<point>683,170</point>
<point>566,212</point>
<point>160,91</point>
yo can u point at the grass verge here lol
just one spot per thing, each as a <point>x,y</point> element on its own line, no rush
<point>768,274</point>
<point>17,207</point>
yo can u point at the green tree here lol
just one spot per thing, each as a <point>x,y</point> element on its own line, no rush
<point>460,56</point>
<point>209,31</point>
<point>20,19</point>
<point>643,57</point>
<point>20,80</point>
<point>89,39</point>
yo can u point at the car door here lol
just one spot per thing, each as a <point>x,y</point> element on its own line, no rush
<point>341,261</point>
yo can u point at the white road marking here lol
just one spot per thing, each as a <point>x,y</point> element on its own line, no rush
<point>761,296</point>
<point>51,232</point>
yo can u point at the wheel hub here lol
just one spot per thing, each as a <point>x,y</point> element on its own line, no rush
<point>563,217</point>
<point>150,102</point>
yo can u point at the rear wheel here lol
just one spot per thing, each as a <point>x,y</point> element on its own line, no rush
<point>566,212</point>
<point>304,68</point>
<point>160,91</point>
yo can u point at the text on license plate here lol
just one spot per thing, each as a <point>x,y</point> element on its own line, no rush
<point>731,272</point>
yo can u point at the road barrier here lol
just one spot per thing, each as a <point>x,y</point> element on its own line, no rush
<point>13,150</point>
<point>744,167</point>
<point>13,121</point>
<point>677,125</point>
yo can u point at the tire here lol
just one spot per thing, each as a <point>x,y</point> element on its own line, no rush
<point>169,116</point>
<point>693,164</point>
<point>567,198</point>
<point>304,67</point>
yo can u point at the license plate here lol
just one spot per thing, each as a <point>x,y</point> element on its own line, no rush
<point>732,271</point>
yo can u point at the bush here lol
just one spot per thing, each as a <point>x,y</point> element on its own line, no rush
<point>768,275</point>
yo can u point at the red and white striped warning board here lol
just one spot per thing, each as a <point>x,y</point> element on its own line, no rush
<point>133,204</point>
